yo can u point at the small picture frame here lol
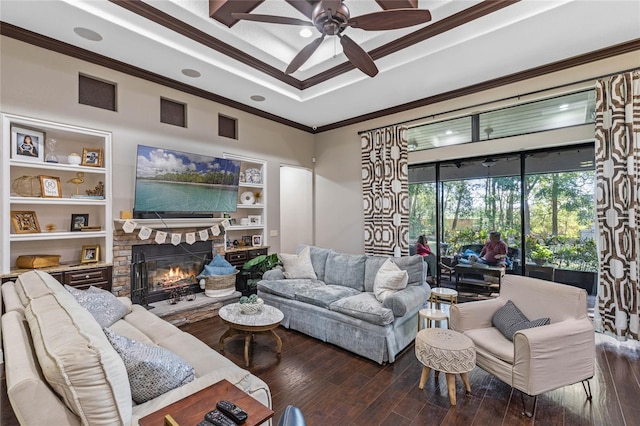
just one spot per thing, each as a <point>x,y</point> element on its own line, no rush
<point>25,222</point>
<point>90,254</point>
<point>255,219</point>
<point>27,144</point>
<point>50,187</point>
<point>92,157</point>
<point>256,240</point>
<point>78,221</point>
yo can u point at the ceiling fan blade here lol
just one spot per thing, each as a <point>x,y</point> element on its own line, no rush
<point>357,55</point>
<point>271,19</point>
<point>391,19</point>
<point>304,55</point>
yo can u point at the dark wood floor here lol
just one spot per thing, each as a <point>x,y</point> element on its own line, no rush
<point>334,387</point>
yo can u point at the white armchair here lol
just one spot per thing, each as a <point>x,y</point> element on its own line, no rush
<point>538,359</point>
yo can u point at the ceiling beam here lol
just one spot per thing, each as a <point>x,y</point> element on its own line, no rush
<point>398,4</point>
<point>221,10</point>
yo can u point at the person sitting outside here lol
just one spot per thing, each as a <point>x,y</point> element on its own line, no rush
<point>423,249</point>
<point>494,252</point>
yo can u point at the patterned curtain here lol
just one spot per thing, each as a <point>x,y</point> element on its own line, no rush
<point>618,204</point>
<point>385,192</point>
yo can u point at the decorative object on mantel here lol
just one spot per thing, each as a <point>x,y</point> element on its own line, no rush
<point>77,181</point>
<point>74,159</point>
<point>97,191</point>
<point>26,186</point>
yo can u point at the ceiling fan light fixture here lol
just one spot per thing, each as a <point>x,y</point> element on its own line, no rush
<point>305,33</point>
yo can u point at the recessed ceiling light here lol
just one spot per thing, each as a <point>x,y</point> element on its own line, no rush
<point>449,132</point>
<point>257,98</point>
<point>88,34</point>
<point>191,73</point>
<point>306,33</point>
<point>564,106</point>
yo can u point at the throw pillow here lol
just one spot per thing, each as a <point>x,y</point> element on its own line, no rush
<point>218,266</point>
<point>389,279</point>
<point>102,304</point>
<point>152,370</point>
<point>298,266</point>
<point>510,319</point>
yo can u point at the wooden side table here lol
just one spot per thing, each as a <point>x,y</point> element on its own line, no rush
<point>190,411</point>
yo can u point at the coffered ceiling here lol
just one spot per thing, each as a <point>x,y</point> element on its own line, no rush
<point>197,46</point>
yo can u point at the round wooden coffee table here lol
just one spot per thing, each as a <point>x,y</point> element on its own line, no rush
<point>249,324</point>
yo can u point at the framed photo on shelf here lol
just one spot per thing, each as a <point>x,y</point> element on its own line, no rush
<point>90,254</point>
<point>24,222</point>
<point>27,144</point>
<point>78,221</point>
<point>255,219</point>
<point>256,240</point>
<point>50,187</point>
<point>92,157</point>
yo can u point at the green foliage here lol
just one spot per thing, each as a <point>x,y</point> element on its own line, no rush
<point>541,253</point>
<point>259,265</point>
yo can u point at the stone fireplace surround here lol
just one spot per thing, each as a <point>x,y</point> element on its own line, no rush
<point>182,312</point>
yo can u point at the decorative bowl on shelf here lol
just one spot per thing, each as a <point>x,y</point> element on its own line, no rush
<point>247,198</point>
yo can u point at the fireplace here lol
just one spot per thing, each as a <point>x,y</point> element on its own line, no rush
<point>162,271</point>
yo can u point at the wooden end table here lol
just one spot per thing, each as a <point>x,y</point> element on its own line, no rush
<point>191,410</point>
<point>249,324</point>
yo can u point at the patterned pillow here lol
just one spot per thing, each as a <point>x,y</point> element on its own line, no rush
<point>102,304</point>
<point>298,266</point>
<point>152,370</point>
<point>389,279</point>
<point>510,319</point>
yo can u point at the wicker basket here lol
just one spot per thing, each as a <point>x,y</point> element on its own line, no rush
<point>220,285</point>
<point>251,308</point>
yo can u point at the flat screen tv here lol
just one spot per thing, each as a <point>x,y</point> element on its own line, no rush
<point>175,184</point>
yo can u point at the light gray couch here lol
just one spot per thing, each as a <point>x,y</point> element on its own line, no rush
<point>340,307</point>
<point>61,369</point>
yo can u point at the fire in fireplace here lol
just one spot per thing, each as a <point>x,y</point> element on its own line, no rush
<point>157,270</point>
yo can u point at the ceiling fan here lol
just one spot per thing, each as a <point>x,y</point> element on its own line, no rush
<point>331,17</point>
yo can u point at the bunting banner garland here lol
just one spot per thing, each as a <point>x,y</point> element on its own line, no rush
<point>161,237</point>
<point>144,233</point>
<point>175,238</point>
<point>190,238</point>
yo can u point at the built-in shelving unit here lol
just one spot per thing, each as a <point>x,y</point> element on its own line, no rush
<point>20,191</point>
<point>250,218</point>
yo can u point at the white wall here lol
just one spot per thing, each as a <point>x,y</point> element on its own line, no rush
<point>296,207</point>
<point>42,84</point>
<point>339,209</point>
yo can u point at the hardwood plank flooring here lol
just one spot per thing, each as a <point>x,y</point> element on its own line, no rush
<point>335,387</point>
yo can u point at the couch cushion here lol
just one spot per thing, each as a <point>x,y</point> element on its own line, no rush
<point>364,306</point>
<point>509,319</point>
<point>101,304</point>
<point>324,296</point>
<point>77,360</point>
<point>34,284</point>
<point>152,370</point>
<point>287,288</point>
<point>298,265</point>
<point>491,341</point>
<point>414,265</point>
<point>346,270</point>
<point>389,280</point>
<point>318,259</point>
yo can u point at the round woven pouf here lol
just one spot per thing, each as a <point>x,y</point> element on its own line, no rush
<point>448,351</point>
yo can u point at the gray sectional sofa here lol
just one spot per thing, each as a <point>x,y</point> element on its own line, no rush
<point>340,307</point>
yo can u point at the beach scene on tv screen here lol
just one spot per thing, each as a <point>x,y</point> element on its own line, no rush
<point>174,181</point>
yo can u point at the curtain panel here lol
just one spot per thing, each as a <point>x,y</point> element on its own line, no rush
<point>385,191</point>
<point>617,135</point>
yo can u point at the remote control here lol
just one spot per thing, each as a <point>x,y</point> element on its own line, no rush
<point>236,413</point>
<point>205,423</point>
<point>219,419</point>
